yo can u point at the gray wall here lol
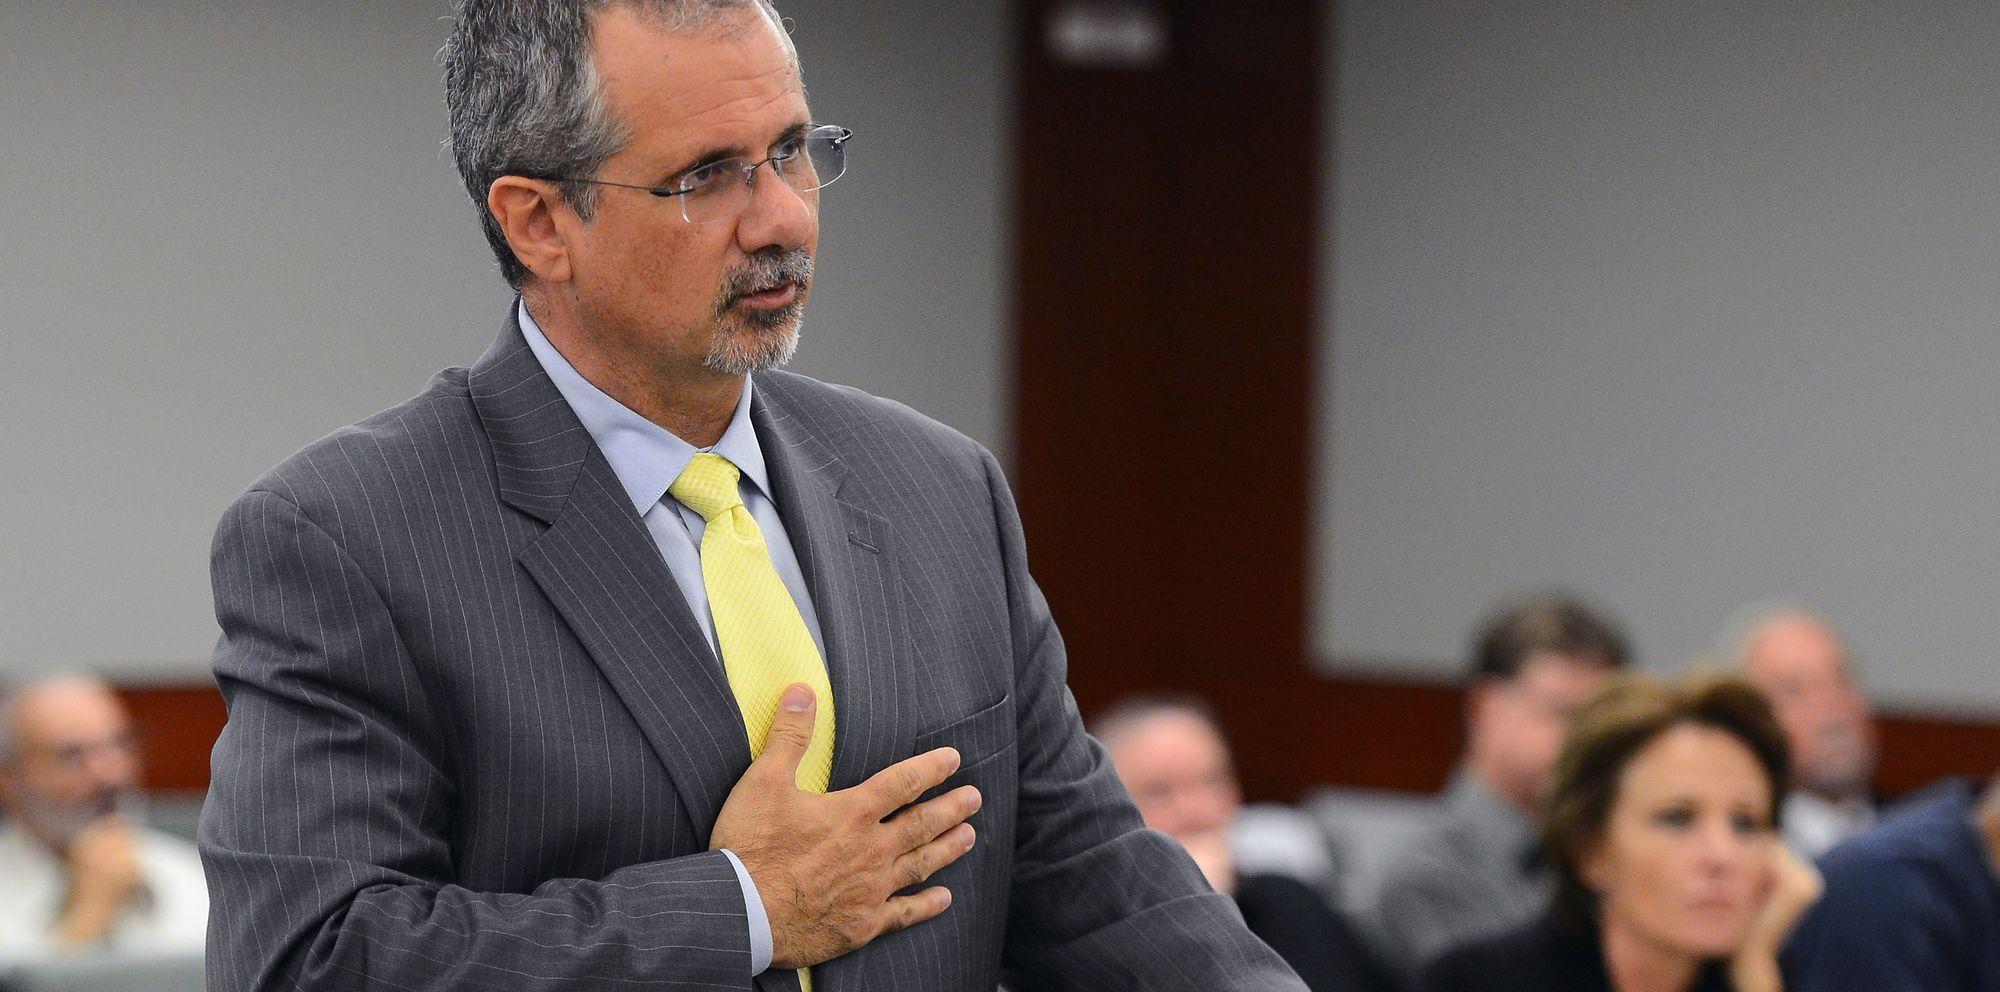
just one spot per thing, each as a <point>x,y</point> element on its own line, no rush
<point>1679,304</point>
<point>229,229</point>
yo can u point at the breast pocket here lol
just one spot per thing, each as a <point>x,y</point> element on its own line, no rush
<point>977,737</point>
<point>980,738</point>
<point>986,749</point>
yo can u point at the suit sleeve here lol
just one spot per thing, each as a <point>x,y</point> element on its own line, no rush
<point>325,835</point>
<point>1099,902</point>
<point>1877,928</point>
<point>1420,914</point>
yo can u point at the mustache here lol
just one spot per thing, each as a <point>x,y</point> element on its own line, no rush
<point>768,269</point>
<point>62,822</point>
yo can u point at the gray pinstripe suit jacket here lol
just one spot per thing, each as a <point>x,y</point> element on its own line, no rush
<point>476,741</point>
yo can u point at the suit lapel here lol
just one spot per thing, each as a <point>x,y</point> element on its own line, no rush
<point>847,554</point>
<point>598,566</point>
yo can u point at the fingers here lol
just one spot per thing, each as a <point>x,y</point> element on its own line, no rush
<point>1794,884</point>
<point>908,911</point>
<point>918,825</point>
<point>917,866</point>
<point>900,784</point>
<point>1798,882</point>
<point>791,730</point>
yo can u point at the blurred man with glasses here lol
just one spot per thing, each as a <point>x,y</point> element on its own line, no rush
<point>622,658</point>
<point>1799,662</point>
<point>78,873</point>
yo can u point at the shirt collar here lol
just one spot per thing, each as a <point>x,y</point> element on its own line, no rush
<point>1854,809</point>
<point>645,457</point>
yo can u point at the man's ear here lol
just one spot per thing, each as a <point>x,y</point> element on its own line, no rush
<point>1591,867</point>
<point>526,211</point>
<point>1480,699</point>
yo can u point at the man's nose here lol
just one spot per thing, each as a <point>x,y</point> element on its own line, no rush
<point>1203,808</point>
<point>777,215</point>
<point>112,765</point>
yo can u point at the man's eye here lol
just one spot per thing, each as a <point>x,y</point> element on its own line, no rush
<point>1675,818</point>
<point>703,177</point>
<point>788,149</point>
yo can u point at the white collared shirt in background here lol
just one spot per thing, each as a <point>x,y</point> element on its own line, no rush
<point>168,917</point>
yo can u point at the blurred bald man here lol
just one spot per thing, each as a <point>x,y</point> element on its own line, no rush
<point>1170,753</point>
<point>1800,663</point>
<point>79,874</point>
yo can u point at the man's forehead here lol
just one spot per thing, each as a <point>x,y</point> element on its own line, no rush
<point>1172,734</point>
<point>734,67</point>
<point>1795,642</point>
<point>66,708</point>
<point>1565,667</point>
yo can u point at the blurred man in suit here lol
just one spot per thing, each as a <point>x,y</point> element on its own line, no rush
<point>1913,904</point>
<point>1479,868</point>
<point>1799,662</point>
<point>622,657</point>
<point>79,873</point>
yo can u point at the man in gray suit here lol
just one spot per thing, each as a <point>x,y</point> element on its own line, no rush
<point>493,723</point>
<point>1478,867</point>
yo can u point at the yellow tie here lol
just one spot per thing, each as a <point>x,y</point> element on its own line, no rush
<point>765,644</point>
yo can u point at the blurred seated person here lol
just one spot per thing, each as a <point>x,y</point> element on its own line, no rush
<point>1171,756</point>
<point>78,872</point>
<point>1479,868</point>
<point>1662,832</point>
<point>1912,904</point>
<point>1278,839</point>
<point>1799,663</point>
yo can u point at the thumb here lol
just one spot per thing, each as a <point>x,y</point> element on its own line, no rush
<point>791,729</point>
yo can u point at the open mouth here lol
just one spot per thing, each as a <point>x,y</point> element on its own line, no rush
<point>771,298</point>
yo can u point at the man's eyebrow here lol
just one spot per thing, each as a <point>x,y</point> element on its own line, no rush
<point>718,153</point>
<point>708,157</point>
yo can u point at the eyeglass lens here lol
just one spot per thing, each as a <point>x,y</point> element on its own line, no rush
<point>818,159</point>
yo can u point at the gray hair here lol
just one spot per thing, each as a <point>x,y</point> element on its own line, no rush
<point>1732,646</point>
<point>524,97</point>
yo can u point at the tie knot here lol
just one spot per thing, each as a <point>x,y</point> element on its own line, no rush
<point>708,485</point>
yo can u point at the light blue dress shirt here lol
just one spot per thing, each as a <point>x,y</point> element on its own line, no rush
<point>647,458</point>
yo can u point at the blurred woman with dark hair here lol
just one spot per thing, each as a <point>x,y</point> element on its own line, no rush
<point>1662,828</point>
